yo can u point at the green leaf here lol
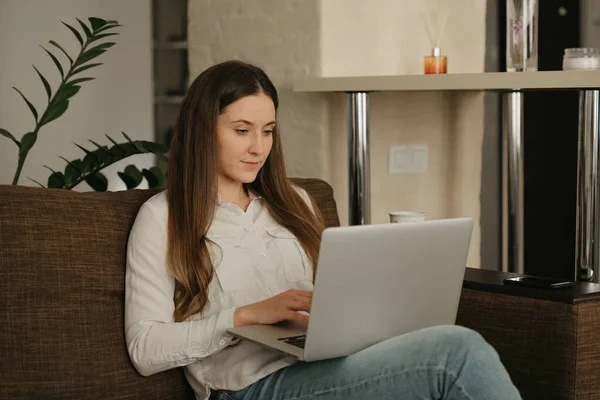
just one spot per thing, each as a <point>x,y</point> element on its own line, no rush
<point>73,170</point>
<point>89,161</point>
<point>9,135</point>
<point>102,35</point>
<point>56,62</point>
<point>143,146</point>
<point>135,143</point>
<point>56,180</point>
<point>103,156</point>
<point>102,46</point>
<point>27,142</point>
<point>79,80</point>
<point>87,31</point>
<point>34,181</point>
<point>58,46</point>
<point>98,182</point>
<point>66,92</point>
<point>100,147</point>
<point>107,27</point>
<point>56,111</point>
<point>131,176</point>
<point>31,107</point>
<point>45,82</point>
<point>81,69</point>
<point>75,32</point>
<point>88,55</point>
<point>134,172</point>
<point>97,23</point>
<point>86,151</point>
<point>130,183</point>
<point>126,137</point>
<point>154,147</point>
<point>154,176</point>
<point>117,145</point>
<point>88,164</point>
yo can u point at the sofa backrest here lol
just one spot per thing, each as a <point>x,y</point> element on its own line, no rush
<point>62,268</point>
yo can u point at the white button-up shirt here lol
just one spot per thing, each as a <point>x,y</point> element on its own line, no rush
<point>254,258</point>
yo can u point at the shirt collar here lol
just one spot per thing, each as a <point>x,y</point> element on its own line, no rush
<point>253,196</point>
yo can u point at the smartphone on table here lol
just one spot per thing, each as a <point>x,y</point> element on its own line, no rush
<point>538,282</point>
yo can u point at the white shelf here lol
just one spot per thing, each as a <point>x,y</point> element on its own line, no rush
<point>493,81</point>
<point>175,45</point>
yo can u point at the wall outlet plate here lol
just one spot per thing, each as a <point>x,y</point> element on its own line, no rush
<point>408,159</point>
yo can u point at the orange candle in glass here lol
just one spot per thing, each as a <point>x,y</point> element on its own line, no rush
<point>436,63</point>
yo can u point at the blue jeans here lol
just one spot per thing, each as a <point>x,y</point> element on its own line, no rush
<point>445,362</point>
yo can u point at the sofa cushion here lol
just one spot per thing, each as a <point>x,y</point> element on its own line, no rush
<point>62,268</point>
<point>62,262</point>
<point>322,193</point>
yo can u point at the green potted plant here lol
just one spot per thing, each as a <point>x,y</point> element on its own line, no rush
<point>88,168</point>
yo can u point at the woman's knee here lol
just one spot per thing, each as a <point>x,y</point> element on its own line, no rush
<point>438,346</point>
<point>458,337</point>
<point>461,343</point>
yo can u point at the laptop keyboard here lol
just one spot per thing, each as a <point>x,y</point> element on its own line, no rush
<point>297,341</point>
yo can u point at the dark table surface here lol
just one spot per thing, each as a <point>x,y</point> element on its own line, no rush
<point>492,281</point>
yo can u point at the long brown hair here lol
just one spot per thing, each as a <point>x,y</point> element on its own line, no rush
<point>192,182</point>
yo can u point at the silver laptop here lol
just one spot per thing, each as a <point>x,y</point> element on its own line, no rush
<point>375,282</point>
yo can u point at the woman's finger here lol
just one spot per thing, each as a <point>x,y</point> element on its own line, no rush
<point>294,316</point>
<point>301,304</point>
<point>304,293</point>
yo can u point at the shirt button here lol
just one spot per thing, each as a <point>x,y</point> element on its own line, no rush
<point>272,288</point>
<point>222,342</point>
<point>247,229</point>
<point>263,254</point>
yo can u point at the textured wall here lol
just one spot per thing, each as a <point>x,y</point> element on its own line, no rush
<point>355,37</point>
<point>283,38</point>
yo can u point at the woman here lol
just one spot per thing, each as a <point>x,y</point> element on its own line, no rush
<point>231,242</point>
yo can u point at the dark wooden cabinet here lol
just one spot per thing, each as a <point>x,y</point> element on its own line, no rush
<point>550,148</point>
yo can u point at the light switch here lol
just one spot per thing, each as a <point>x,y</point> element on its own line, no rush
<point>408,159</point>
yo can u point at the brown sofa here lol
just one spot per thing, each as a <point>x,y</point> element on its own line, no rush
<point>62,261</point>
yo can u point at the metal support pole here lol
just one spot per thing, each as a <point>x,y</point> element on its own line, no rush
<point>587,262</point>
<point>514,210</point>
<point>359,201</point>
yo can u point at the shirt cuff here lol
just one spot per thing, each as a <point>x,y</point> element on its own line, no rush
<point>222,338</point>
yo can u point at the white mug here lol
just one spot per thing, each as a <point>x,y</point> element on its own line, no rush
<point>406,216</point>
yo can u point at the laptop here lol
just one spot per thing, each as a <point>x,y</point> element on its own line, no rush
<point>375,282</point>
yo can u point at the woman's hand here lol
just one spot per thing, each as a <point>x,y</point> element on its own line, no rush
<point>284,306</point>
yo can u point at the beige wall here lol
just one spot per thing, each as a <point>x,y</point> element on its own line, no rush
<point>355,37</point>
<point>386,37</point>
<point>590,23</point>
<point>281,37</point>
<point>389,37</point>
<point>120,99</point>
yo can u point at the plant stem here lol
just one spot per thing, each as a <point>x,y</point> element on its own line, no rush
<point>23,157</point>
<point>18,172</point>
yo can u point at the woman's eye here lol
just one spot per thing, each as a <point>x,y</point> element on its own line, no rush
<point>241,131</point>
<point>268,132</point>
